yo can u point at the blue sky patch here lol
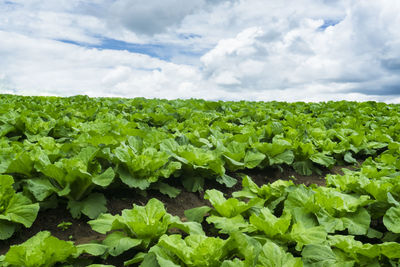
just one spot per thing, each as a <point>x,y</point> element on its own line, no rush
<point>153,50</point>
<point>9,5</point>
<point>162,51</point>
<point>187,36</point>
<point>328,23</point>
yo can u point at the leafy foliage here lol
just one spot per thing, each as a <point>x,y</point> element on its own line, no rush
<point>41,250</point>
<point>71,149</point>
<point>15,208</point>
<point>139,226</point>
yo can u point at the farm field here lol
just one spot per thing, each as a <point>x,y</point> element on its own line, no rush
<point>148,182</point>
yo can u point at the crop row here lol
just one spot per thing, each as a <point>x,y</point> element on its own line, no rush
<point>68,148</point>
<point>354,221</point>
<point>71,149</point>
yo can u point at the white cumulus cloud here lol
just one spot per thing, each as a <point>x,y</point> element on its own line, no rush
<point>308,50</point>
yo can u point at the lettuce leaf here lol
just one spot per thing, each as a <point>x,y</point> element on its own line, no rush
<point>392,219</point>
<point>15,208</point>
<point>273,255</point>
<point>40,250</point>
<point>228,207</point>
<point>140,226</point>
<point>194,250</point>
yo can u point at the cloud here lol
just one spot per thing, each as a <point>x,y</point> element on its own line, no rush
<point>45,19</point>
<point>220,64</point>
<point>5,85</point>
<point>152,16</point>
<point>108,24</point>
<point>310,50</point>
<point>34,67</point>
<point>357,54</point>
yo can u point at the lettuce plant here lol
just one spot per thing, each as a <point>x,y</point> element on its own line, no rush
<point>45,250</point>
<point>74,178</point>
<point>15,208</point>
<point>229,214</point>
<point>140,227</point>
<point>42,250</point>
<point>239,250</point>
<point>194,250</point>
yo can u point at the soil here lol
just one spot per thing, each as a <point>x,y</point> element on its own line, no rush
<point>79,232</point>
<point>117,200</point>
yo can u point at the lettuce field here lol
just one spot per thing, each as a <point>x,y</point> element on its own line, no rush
<point>148,182</point>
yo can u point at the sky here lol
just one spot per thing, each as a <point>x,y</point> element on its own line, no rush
<point>263,50</point>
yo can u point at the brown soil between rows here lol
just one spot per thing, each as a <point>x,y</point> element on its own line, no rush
<point>118,199</point>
